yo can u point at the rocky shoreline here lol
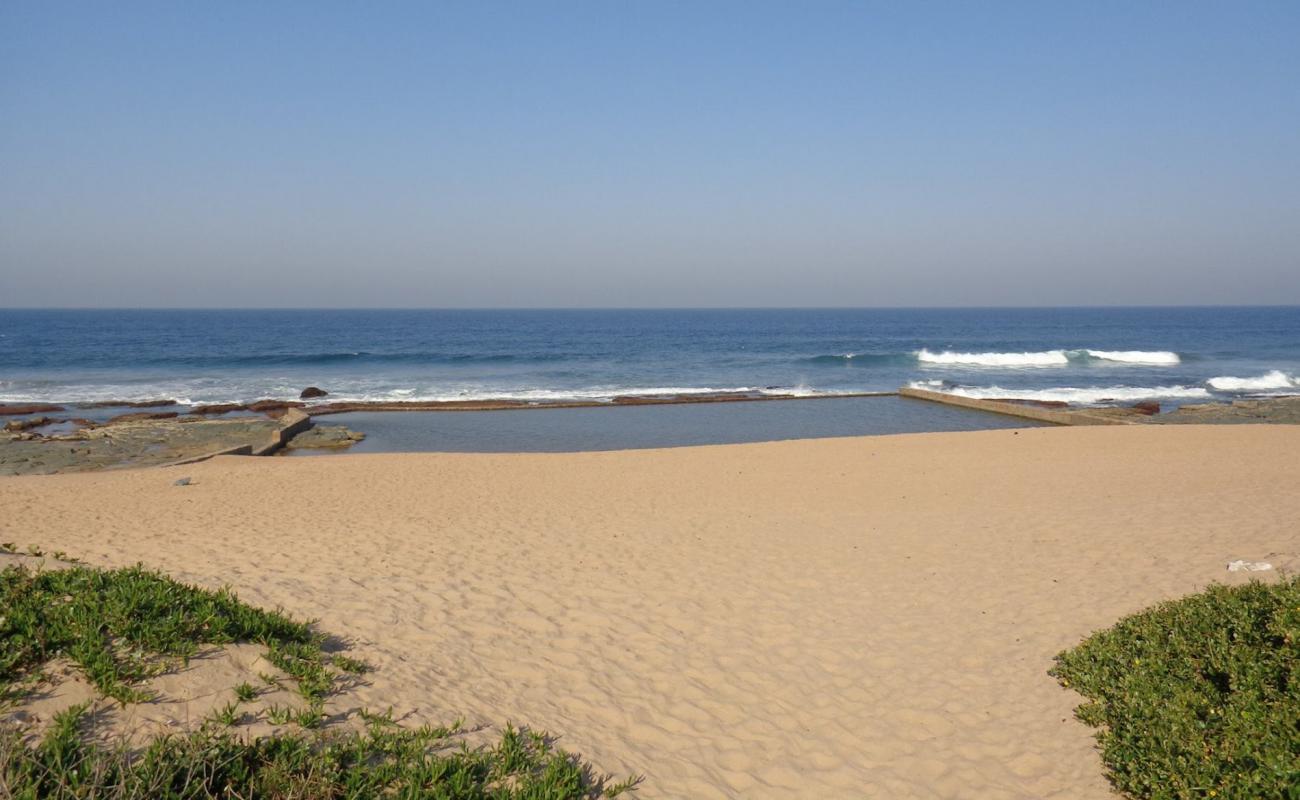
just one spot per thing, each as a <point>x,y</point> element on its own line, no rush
<point>1279,410</point>
<point>1271,410</point>
<point>38,439</point>
<point>41,445</point>
<point>1283,410</point>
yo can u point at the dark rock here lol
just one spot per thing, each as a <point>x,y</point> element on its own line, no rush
<point>326,436</point>
<point>31,408</point>
<point>421,405</point>
<point>312,391</point>
<point>1277,410</point>
<point>675,399</point>
<point>181,482</point>
<point>260,406</point>
<point>138,416</point>
<point>128,404</point>
<point>27,424</point>
<point>1148,407</point>
<point>218,408</point>
<point>273,405</point>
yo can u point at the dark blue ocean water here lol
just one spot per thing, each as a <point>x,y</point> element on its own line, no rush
<point>1076,354</point>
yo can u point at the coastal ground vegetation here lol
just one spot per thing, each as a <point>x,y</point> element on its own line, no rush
<point>120,627</point>
<point>1198,697</point>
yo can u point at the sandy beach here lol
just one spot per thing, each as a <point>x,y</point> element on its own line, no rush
<point>866,617</point>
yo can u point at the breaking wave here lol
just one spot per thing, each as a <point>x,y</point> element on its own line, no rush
<point>588,394</point>
<point>1277,379</point>
<point>1047,358</point>
<point>1151,357</point>
<point>188,393</point>
<point>1050,358</point>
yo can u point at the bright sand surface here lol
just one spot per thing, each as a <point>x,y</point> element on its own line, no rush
<point>869,617</point>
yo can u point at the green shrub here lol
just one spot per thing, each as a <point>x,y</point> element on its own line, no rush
<point>1199,697</point>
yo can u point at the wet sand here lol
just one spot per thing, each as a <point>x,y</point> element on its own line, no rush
<point>856,617</point>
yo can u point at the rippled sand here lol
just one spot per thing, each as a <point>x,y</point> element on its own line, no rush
<point>832,618</point>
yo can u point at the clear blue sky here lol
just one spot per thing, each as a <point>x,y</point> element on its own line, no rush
<point>648,153</point>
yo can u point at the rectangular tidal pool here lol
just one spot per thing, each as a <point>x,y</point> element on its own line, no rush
<point>561,430</point>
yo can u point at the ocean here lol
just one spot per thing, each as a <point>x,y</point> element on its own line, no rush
<point>1079,355</point>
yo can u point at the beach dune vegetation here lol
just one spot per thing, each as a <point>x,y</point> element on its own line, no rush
<point>122,626</point>
<point>1198,697</point>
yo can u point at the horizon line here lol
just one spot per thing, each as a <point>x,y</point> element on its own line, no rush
<point>658,308</point>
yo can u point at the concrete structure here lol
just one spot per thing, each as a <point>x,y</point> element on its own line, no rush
<point>242,450</point>
<point>1054,416</point>
<point>292,423</point>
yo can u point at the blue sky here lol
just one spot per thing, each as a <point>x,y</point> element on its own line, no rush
<point>649,154</point>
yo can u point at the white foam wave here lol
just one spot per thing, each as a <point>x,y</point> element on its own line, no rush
<point>206,391</point>
<point>1092,395</point>
<point>1277,379</point>
<point>589,394</point>
<point>104,394</point>
<point>1048,358</point>
<point>1150,357</point>
<point>802,390</point>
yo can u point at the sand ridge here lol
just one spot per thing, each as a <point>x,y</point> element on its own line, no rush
<point>867,617</point>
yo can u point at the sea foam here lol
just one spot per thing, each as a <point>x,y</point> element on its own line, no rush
<point>1048,358</point>
<point>1151,357</point>
<point>593,394</point>
<point>187,393</point>
<point>1277,379</point>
